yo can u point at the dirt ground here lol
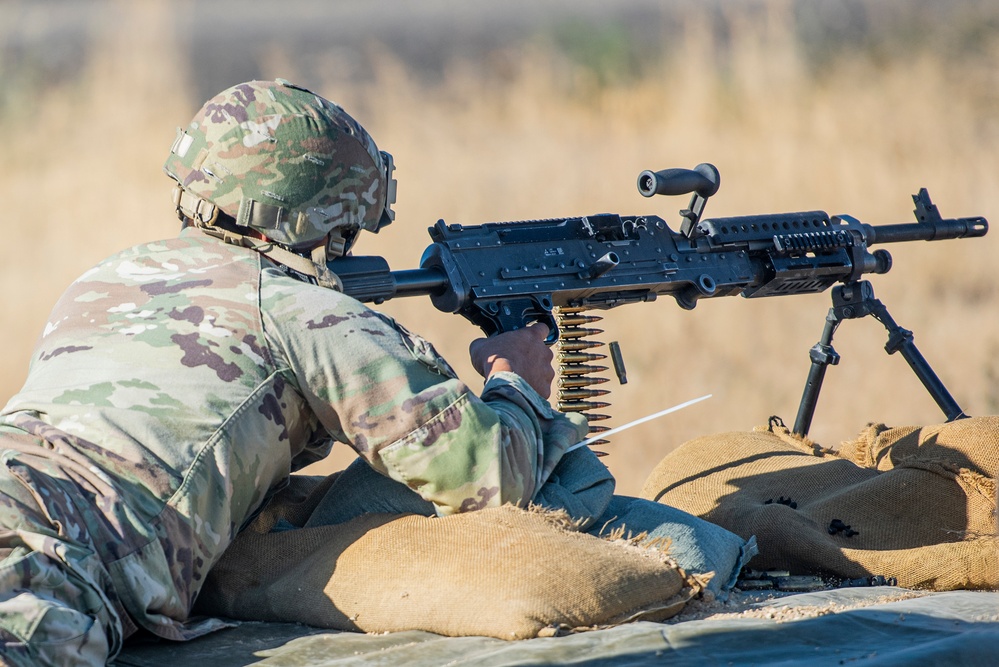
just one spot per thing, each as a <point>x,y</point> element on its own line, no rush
<point>767,605</point>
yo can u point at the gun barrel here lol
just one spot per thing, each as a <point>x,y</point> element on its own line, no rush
<point>956,228</point>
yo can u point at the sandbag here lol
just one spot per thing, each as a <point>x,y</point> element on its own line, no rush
<point>502,572</point>
<point>921,508</point>
<point>968,444</point>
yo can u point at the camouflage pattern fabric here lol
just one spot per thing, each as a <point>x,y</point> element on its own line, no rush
<point>57,605</point>
<point>179,383</point>
<point>285,161</point>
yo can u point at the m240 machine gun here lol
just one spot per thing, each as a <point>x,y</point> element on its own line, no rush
<point>505,275</point>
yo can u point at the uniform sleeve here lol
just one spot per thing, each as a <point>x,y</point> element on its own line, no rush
<point>390,396</point>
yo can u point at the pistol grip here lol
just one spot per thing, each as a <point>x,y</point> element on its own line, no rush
<point>498,316</point>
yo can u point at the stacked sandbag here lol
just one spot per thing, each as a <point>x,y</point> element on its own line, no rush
<point>916,504</point>
<point>503,572</point>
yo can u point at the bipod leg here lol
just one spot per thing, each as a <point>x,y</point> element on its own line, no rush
<point>900,340</point>
<point>822,355</point>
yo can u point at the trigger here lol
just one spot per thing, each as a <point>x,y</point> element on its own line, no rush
<point>549,320</point>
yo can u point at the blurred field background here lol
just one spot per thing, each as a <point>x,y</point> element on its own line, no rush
<point>519,110</point>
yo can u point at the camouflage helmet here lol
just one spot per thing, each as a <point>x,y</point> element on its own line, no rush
<point>283,161</point>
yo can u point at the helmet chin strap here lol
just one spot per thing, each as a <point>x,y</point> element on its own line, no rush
<point>324,276</point>
<point>206,218</point>
<point>314,266</point>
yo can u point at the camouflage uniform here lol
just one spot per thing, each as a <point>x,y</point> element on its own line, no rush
<point>176,386</point>
<point>179,383</point>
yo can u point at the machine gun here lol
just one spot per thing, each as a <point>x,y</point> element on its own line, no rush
<point>505,275</point>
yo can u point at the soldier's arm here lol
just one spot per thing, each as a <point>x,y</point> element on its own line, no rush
<point>387,394</point>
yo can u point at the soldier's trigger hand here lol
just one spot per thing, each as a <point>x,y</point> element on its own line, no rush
<point>522,351</point>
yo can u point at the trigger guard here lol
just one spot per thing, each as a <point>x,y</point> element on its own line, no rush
<point>549,319</point>
<point>506,315</point>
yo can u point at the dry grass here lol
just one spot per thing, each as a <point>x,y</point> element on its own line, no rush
<point>535,135</point>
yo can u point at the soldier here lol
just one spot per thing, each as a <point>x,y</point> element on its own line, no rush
<point>179,383</point>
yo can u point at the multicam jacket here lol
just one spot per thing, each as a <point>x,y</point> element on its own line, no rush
<point>179,383</point>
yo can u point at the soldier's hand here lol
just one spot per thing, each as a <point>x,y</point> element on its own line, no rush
<point>522,351</point>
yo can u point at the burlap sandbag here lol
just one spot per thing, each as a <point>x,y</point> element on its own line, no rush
<point>929,520</point>
<point>968,444</point>
<point>503,572</point>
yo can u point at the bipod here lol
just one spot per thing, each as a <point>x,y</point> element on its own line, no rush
<point>852,301</point>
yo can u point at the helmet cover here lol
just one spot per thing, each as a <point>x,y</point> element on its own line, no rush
<point>284,161</point>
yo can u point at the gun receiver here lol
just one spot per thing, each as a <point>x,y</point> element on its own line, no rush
<point>505,275</point>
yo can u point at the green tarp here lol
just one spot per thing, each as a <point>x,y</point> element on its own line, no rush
<point>954,628</point>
